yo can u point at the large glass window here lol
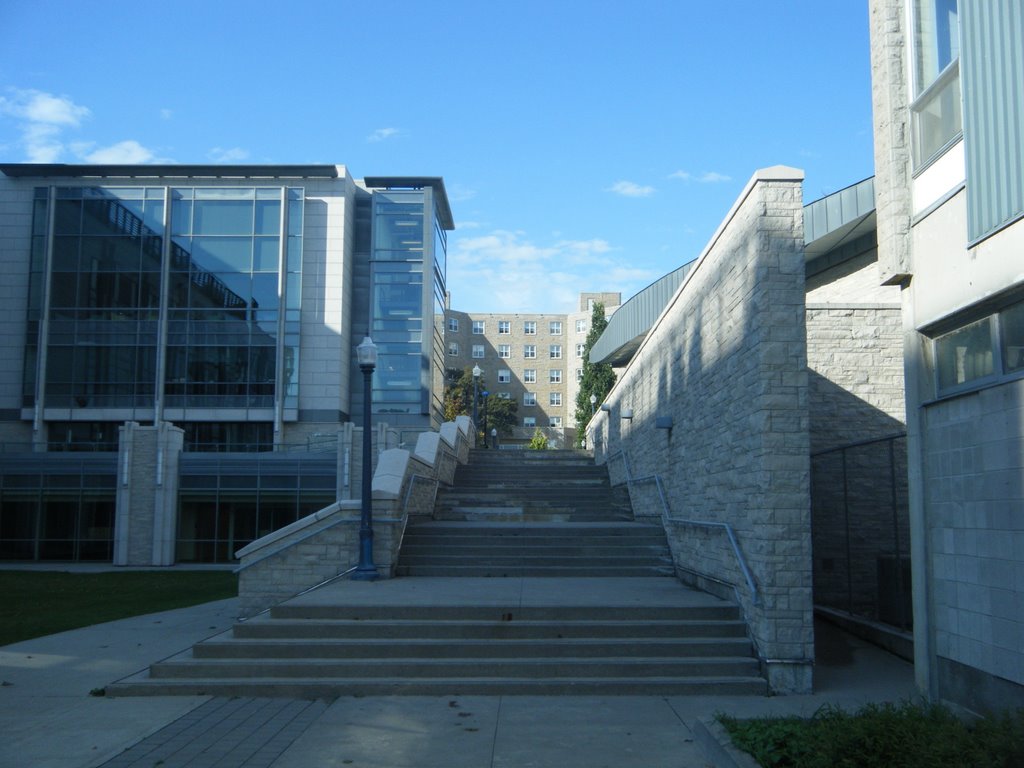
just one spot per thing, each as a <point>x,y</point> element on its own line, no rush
<point>1012,332</point>
<point>965,355</point>
<point>104,297</point>
<point>226,296</point>
<point>936,116</point>
<point>987,351</point>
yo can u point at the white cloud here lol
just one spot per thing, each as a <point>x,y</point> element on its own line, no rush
<point>505,271</point>
<point>458,193</point>
<point>233,155</point>
<point>166,114</point>
<point>127,152</point>
<point>382,133</point>
<point>37,107</point>
<point>630,189</point>
<point>42,116</point>
<point>708,177</point>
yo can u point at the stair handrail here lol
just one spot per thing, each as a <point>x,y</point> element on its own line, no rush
<point>668,517</point>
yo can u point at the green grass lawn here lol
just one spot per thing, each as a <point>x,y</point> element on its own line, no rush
<point>37,603</point>
<point>907,735</point>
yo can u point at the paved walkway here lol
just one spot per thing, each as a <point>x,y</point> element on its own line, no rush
<point>50,720</point>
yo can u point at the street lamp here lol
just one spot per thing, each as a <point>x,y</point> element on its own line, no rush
<point>366,354</point>
<point>476,378</point>
<point>593,401</point>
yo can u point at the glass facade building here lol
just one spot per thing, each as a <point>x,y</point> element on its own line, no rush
<point>226,301</point>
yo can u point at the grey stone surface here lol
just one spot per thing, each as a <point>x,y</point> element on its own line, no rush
<point>50,721</point>
<point>727,361</point>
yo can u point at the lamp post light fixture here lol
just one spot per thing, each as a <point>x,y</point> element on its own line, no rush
<point>476,378</point>
<point>366,354</point>
<point>593,402</point>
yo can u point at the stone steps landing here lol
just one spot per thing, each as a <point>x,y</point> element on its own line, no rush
<point>315,650</point>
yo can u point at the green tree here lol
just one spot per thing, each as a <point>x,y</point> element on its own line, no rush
<point>598,378</point>
<point>538,442</point>
<point>502,414</point>
<point>458,401</point>
<point>458,393</point>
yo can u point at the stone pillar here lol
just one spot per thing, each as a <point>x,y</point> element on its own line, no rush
<point>147,494</point>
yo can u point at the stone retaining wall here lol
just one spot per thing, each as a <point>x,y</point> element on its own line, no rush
<point>726,366</point>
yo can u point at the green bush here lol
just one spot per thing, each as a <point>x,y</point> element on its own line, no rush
<point>907,735</point>
<point>538,442</point>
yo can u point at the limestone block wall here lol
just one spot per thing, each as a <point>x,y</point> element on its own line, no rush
<point>727,363</point>
<point>973,478</point>
<point>890,97</point>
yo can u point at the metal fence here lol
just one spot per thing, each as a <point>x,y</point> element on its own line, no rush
<point>861,530</point>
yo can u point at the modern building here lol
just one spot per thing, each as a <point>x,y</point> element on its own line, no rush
<point>202,310</point>
<point>534,359</point>
<point>948,98</point>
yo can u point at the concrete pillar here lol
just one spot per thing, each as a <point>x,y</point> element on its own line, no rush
<point>147,494</point>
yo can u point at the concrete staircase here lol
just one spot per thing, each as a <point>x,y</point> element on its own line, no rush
<point>590,610</point>
<point>538,486</point>
<point>439,637</point>
<point>535,549</point>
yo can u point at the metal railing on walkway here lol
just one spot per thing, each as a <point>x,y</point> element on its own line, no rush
<point>667,516</point>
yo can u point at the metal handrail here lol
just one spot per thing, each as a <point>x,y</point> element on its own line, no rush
<point>667,517</point>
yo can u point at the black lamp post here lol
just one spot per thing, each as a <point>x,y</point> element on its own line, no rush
<point>366,353</point>
<point>476,378</point>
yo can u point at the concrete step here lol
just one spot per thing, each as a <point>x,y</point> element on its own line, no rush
<point>448,631</point>
<point>414,551</point>
<point>510,571</point>
<point>422,648</point>
<point>456,668</point>
<point>462,636</point>
<point>316,688</point>
<point>503,614</point>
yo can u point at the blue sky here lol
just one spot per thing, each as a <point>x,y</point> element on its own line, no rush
<point>584,145</point>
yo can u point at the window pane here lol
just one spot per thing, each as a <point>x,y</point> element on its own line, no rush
<point>223,217</point>
<point>964,355</point>
<point>222,254</point>
<point>268,217</point>
<point>936,39</point>
<point>1012,326</point>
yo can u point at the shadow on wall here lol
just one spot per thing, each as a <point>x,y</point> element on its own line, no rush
<point>859,508</point>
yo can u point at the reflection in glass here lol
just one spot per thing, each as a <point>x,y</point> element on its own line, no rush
<point>1011,322</point>
<point>964,355</point>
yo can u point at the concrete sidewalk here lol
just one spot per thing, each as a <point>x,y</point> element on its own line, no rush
<point>49,717</point>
